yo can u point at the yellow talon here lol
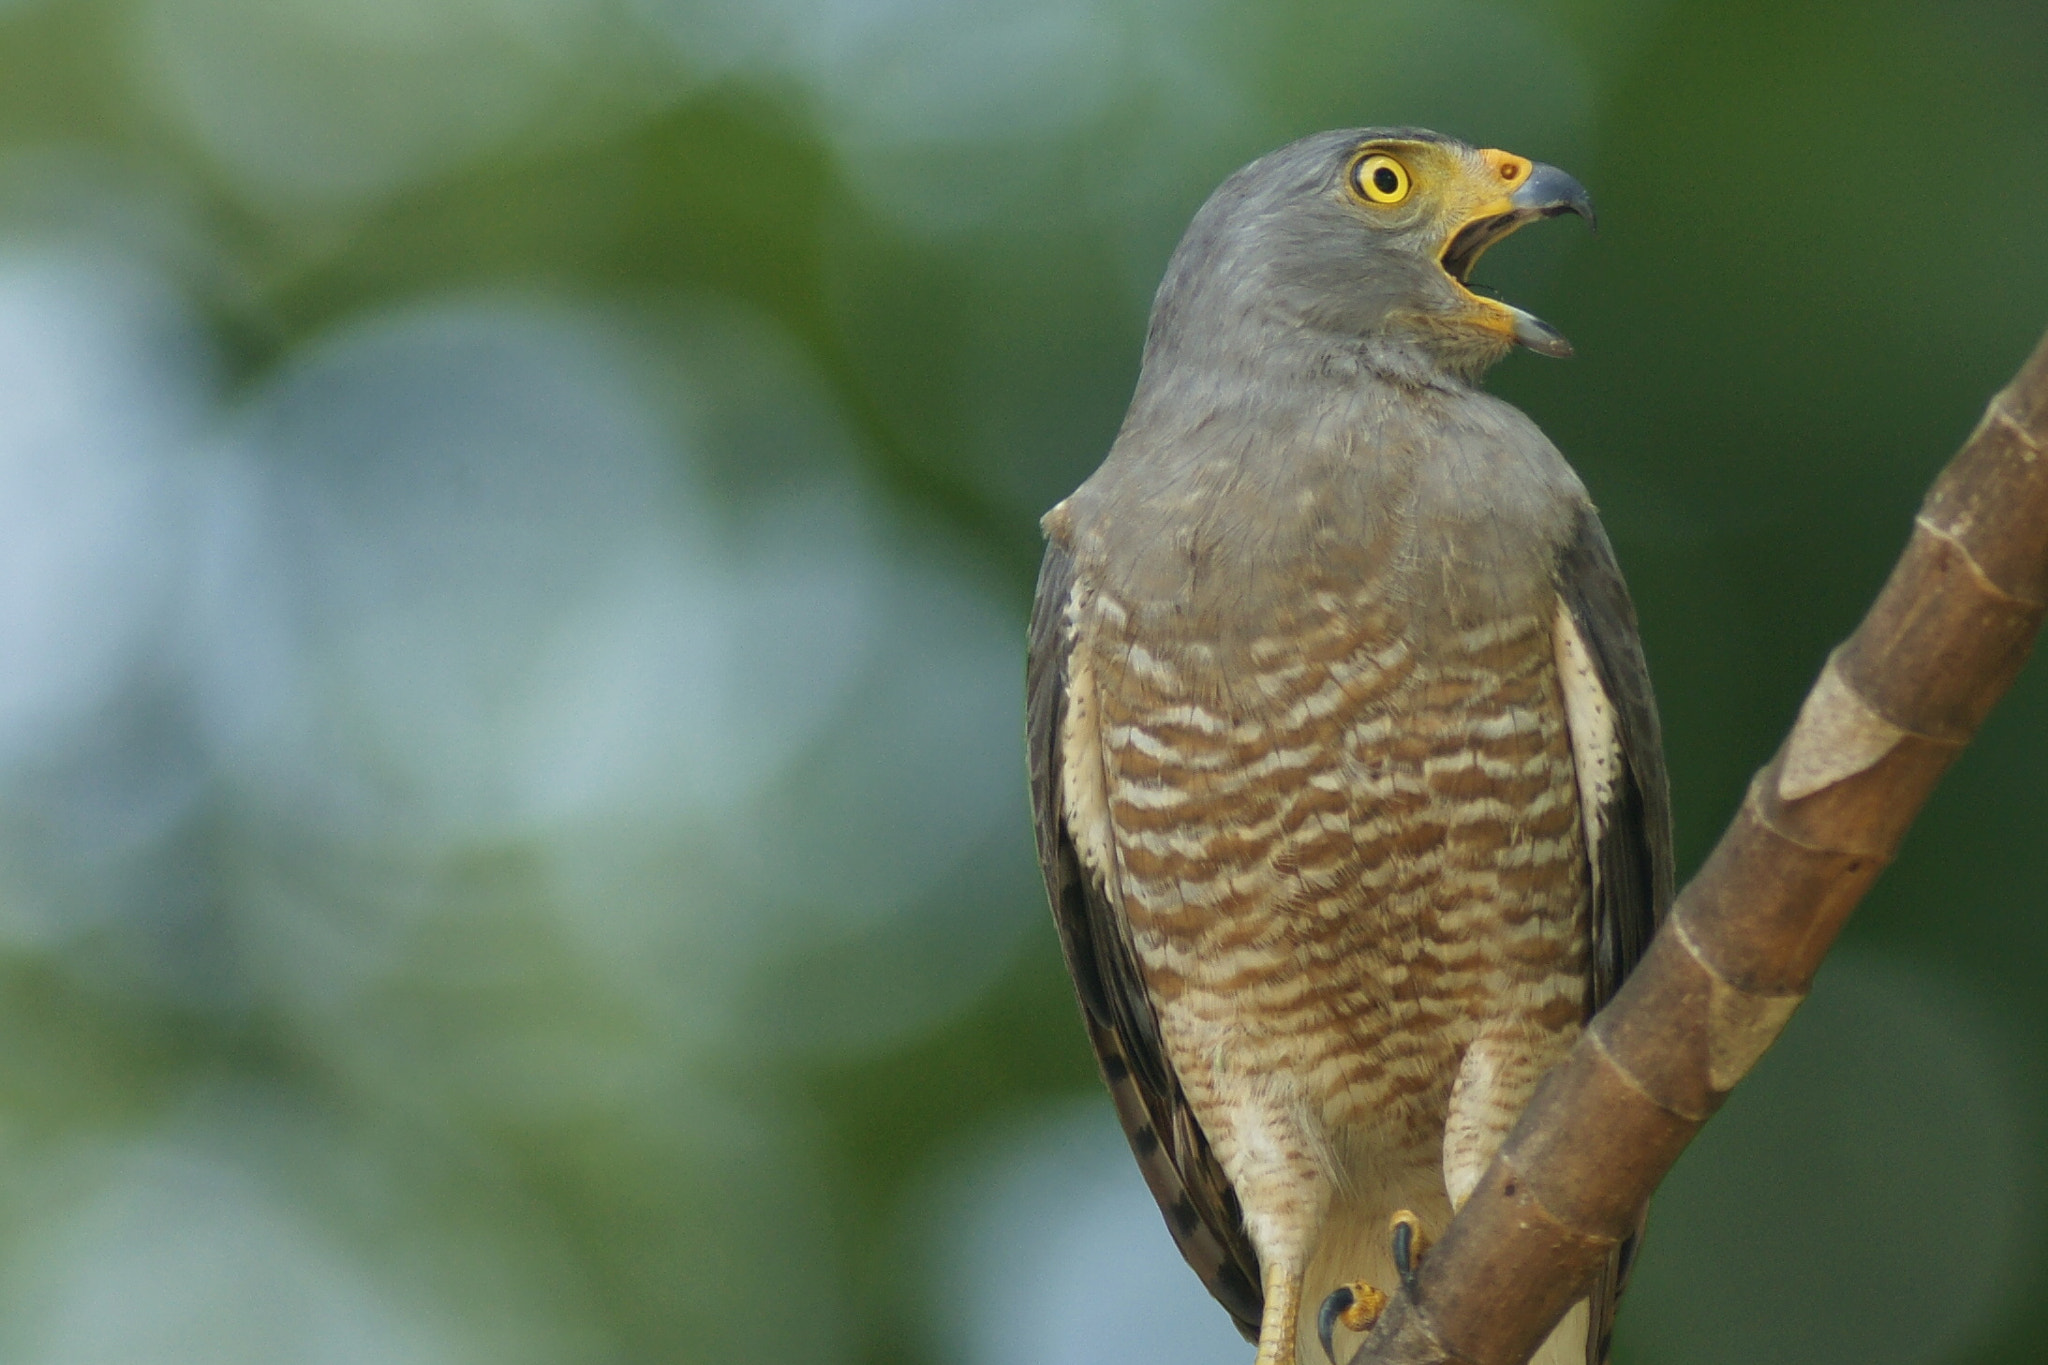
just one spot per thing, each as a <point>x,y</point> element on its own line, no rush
<point>1409,1246</point>
<point>1357,1306</point>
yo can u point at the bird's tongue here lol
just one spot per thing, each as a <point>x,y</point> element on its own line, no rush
<point>1538,335</point>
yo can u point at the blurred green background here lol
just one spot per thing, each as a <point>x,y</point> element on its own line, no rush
<point>516,519</point>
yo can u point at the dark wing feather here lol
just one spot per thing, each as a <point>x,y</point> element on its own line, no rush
<point>1201,1208</point>
<point>1632,870</point>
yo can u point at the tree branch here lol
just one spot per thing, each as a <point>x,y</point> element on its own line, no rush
<point>1893,706</point>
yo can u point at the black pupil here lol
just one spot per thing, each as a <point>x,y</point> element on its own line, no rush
<point>1384,180</point>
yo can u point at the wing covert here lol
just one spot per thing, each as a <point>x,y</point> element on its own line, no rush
<point>1621,760</point>
<point>1631,857</point>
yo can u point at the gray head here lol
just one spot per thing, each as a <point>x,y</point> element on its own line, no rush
<point>1357,243</point>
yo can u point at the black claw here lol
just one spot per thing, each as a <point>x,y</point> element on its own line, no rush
<point>1341,1298</point>
<point>1404,1254</point>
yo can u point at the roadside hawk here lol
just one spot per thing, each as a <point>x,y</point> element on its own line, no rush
<point>1348,785</point>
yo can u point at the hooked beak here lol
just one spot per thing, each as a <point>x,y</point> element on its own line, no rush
<point>1540,191</point>
<point>1549,192</point>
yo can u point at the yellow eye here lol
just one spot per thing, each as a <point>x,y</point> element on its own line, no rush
<point>1379,179</point>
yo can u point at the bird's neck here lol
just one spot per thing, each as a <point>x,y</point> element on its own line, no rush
<point>1275,360</point>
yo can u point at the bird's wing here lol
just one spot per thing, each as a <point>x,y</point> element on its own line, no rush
<point>1619,752</point>
<point>1201,1208</point>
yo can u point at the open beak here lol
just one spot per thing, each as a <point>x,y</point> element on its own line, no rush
<point>1540,191</point>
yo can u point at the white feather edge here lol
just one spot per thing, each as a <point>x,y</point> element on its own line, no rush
<point>1595,732</point>
<point>1084,800</point>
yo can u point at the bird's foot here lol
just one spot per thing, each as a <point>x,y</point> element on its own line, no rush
<point>1356,1306</point>
<point>1409,1245</point>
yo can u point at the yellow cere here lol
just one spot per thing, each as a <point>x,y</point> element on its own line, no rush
<point>1380,179</point>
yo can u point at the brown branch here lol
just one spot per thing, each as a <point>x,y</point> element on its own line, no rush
<point>1892,708</point>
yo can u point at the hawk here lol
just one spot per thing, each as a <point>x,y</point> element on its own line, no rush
<point>1348,786</point>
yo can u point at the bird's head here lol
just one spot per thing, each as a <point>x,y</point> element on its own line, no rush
<point>1367,234</point>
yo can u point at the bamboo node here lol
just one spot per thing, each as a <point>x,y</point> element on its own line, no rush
<point>1836,737</point>
<point>1741,1025</point>
<point>1952,536</point>
<point>2030,447</point>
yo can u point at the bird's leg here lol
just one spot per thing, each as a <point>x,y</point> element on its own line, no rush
<point>1495,1080</point>
<point>1409,1243</point>
<point>1283,1305</point>
<point>1356,1306</point>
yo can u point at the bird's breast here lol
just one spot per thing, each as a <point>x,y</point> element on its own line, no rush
<point>1346,832</point>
